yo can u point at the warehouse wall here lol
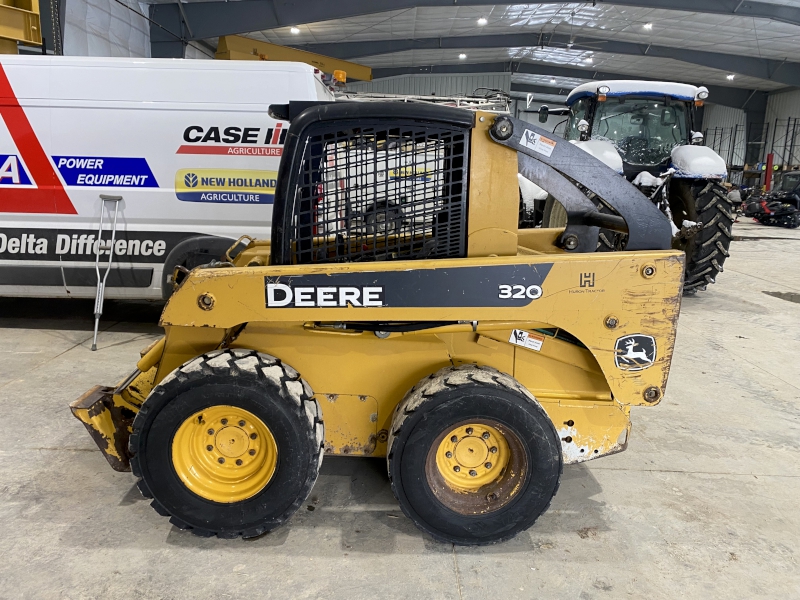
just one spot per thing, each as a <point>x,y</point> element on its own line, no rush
<point>440,85</point>
<point>725,130</point>
<point>105,28</point>
<point>783,122</point>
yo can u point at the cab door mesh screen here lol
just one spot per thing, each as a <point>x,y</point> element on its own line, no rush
<point>373,192</point>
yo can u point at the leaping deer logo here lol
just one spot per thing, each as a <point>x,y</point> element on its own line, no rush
<point>639,352</point>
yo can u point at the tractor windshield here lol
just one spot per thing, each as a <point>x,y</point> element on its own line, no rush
<point>643,130</point>
<point>789,182</point>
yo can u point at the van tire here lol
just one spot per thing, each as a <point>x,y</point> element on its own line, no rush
<point>190,253</point>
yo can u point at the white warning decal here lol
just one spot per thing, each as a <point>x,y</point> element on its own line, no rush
<point>537,143</point>
<point>531,341</point>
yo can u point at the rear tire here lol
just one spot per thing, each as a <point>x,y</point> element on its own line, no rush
<point>706,251</point>
<point>503,478</point>
<point>246,411</point>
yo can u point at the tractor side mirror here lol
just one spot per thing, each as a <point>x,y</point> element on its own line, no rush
<point>667,117</point>
<point>544,112</point>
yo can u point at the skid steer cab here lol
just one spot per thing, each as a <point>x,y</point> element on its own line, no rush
<point>398,312</point>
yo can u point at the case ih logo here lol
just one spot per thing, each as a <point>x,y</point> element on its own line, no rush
<point>253,141</point>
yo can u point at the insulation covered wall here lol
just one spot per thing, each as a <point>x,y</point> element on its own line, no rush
<point>106,28</point>
<point>440,85</point>
<point>725,131</point>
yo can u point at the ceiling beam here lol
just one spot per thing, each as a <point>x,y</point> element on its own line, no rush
<point>726,96</point>
<point>217,18</point>
<point>762,68</point>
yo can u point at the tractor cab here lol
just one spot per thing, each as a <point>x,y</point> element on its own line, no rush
<point>643,121</point>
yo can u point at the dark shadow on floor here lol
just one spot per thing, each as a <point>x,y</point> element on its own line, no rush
<point>77,314</point>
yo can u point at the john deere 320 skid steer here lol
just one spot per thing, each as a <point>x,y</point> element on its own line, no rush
<point>398,312</point>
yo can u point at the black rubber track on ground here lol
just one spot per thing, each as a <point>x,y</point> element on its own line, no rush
<point>247,368</point>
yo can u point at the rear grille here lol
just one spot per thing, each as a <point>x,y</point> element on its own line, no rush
<point>372,192</point>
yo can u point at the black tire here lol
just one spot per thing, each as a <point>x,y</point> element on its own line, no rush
<point>452,397</point>
<point>259,384</point>
<point>191,253</point>
<point>703,202</point>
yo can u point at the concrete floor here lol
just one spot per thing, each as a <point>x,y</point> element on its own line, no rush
<point>704,504</point>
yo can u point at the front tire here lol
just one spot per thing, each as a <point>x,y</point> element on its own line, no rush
<point>473,458</point>
<point>703,202</point>
<point>229,444</point>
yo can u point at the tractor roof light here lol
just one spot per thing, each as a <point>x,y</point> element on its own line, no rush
<point>603,89</point>
<point>697,138</point>
<point>702,93</point>
<point>583,126</point>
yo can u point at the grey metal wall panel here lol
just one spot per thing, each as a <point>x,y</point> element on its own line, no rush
<point>783,120</point>
<point>440,85</point>
<point>725,129</point>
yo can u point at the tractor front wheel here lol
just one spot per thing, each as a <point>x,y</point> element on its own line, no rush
<point>229,444</point>
<point>473,457</point>
<point>703,202</point>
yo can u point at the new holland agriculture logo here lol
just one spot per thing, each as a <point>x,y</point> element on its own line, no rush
<point>225,186</point>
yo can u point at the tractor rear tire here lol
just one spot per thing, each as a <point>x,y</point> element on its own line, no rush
<point>473,458</point>
<point>706,251</point>
<point>229,444</point>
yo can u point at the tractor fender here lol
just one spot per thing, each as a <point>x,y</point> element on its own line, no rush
<point>603,151</point>
<point>697,162</point>
<point>530,191</point>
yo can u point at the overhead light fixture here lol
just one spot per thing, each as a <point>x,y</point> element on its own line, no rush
<point>482,21</point>
<point>295,30</point>
<point>587,60</point>
<point>648,26</point>
<point>552,80</point>
<point>730,77</point>
<point>462,56</point>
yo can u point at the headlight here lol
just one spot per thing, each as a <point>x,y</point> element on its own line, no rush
<point>603,89</point>
<point>702,93</point>
<point>583,126</point>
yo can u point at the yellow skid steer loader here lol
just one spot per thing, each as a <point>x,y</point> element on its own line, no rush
<point>398,312</point>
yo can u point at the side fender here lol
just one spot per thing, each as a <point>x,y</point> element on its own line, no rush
<point>697,162</point>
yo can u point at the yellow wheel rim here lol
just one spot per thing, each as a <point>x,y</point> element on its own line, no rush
<point>224,454</point>
<point>472,456</point>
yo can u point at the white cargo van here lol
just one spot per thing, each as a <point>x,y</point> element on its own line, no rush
<point>188,145</point>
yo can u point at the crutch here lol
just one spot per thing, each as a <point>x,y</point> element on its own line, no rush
<point>101,281</point>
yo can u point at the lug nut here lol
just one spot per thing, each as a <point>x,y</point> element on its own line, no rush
<point>241,423</point>
<point>457,469</point>
<point>238,462</point>
<point>485,435</point>
<point>493,450</point>
<point>491,497</point>
<point>252,453</point>
<point>454,439</point>
<point>448,454</point>
<point>488,465</point>
<point>220,460</point>
<point>469,430</point>
<point>210,432</point>
<point>473,473</point>
<point>224,421</point>
<point>209,447</point>
<point>253,436</point>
